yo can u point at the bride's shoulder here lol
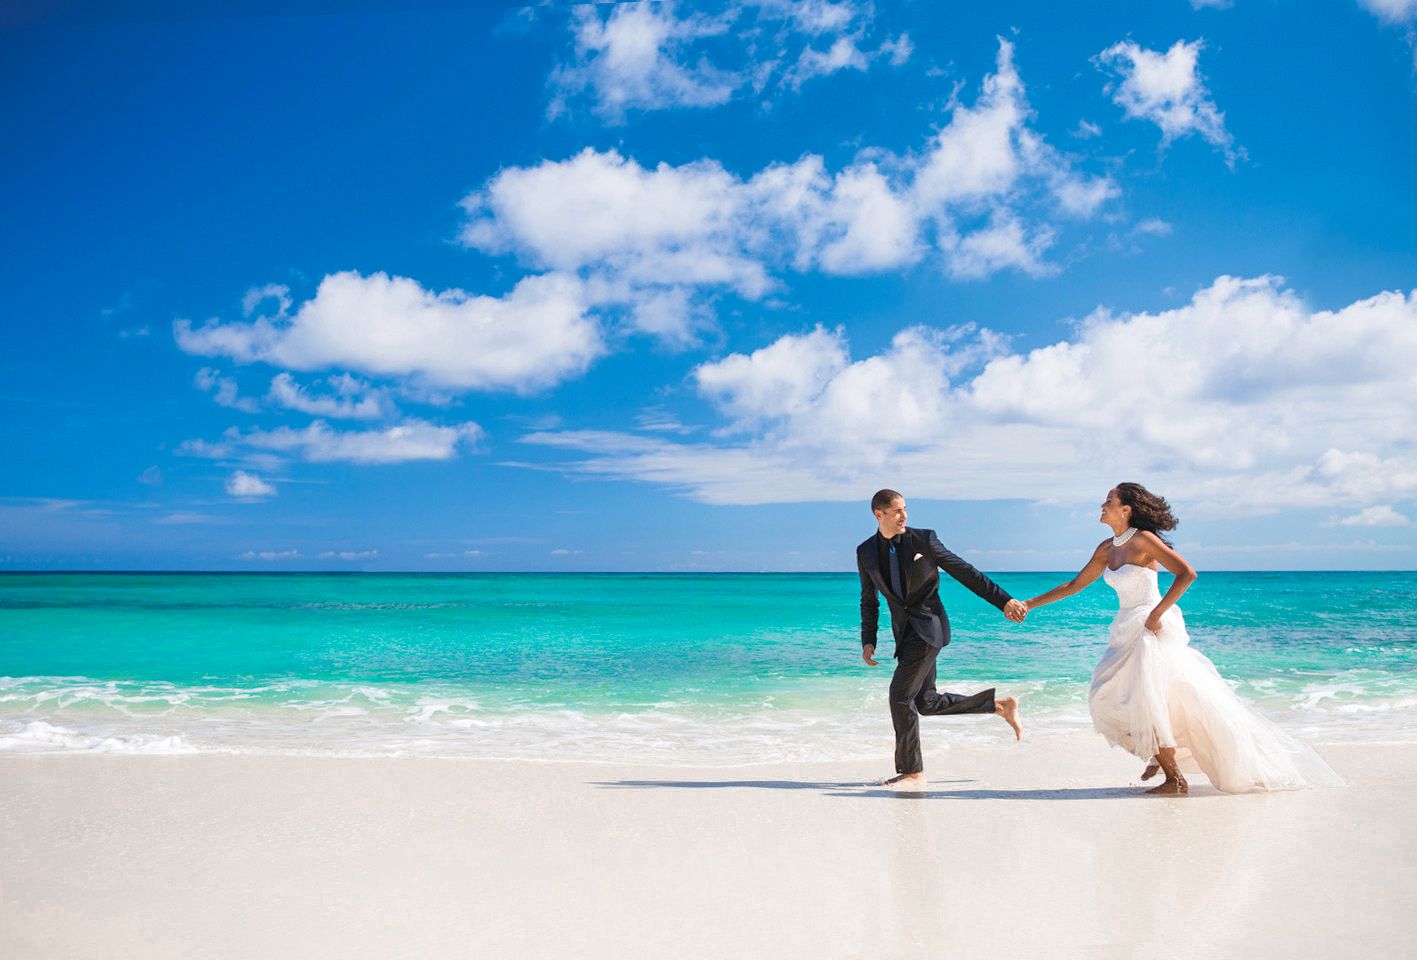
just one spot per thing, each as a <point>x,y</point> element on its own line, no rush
<point>1157,550</point>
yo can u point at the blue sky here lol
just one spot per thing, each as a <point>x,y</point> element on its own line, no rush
<point>677,286</point>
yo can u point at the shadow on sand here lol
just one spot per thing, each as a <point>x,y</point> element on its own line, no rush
<point>858,789</point>
<point>1058,793</point>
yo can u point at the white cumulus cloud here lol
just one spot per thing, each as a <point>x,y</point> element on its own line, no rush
<point>777,380</point>
<point>600,210</point>
<point>248,486</point>
<point>1167,89</point>
<point>536,336</point>
<point>1243,398</point>
<point>1004,242</point>
<point>984,192</point>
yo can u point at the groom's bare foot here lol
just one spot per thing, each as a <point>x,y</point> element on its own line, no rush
<point>906,781</point>
<point>1171,788</point>
<point>1150,771</point>
<point>1007,707</point>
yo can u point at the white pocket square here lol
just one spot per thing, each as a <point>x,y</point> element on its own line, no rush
<point>917,557</point>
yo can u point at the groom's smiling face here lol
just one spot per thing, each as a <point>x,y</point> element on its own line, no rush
<point>892,519</point>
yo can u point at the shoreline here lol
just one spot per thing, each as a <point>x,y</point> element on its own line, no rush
<point>1046,845</point>
<point>576,737</point>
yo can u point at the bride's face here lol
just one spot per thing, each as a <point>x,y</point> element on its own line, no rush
<point>1112,509</point>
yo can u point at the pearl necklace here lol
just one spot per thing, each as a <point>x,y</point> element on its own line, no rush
<point>1118,541</point>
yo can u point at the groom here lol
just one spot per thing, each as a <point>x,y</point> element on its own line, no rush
<point>904,565</point>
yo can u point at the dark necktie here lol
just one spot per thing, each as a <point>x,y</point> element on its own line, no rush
<point>895,570</point>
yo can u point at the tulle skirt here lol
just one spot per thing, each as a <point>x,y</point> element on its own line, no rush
<point>1151,690</point>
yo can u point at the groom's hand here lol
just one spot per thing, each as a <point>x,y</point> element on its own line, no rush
<point>1016,610</point>
<point>868,651</point>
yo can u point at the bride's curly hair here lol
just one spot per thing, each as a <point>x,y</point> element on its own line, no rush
<point>1149,512</point>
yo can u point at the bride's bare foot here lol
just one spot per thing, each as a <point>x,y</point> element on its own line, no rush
<point>1175,784</point>
<point>1171,788</point>
<point>906,781</point>
<point>1150,771</point>
<point>1007,707</point>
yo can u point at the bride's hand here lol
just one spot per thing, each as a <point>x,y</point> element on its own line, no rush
<point>1153,622</point>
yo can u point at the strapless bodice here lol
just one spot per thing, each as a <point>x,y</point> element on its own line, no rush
<point>1136,586</point>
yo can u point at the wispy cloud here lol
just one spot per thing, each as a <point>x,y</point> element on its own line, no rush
<point>48,504</point>
<point>224,390</point>
<point>1382,515</point>
<point>270,555</point>
<point>1392,11</point>
<point>1398,13</point>
<point>408,440</point>
<point>629,57</point>
<point>180,519</point>
<point>1087,130</point>
<point>349,398</point>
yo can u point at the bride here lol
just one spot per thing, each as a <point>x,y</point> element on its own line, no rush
<point>1155,696</point>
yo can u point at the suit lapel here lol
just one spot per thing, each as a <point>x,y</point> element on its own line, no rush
<point>914,575</point>
<point>881,577</point>
<point>907,566</point>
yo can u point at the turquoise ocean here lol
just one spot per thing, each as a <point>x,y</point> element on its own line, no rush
<point>700,669</point>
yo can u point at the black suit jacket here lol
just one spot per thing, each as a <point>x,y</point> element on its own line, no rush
<point>920,608</point>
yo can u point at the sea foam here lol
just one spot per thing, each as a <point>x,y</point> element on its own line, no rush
<point>38,736</point>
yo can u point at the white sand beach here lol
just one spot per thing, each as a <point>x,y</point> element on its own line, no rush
<point>1037,849</point>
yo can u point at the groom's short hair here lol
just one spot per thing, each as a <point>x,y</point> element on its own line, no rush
<point>884,498</point>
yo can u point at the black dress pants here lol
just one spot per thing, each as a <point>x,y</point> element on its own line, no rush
<point>913,693</point>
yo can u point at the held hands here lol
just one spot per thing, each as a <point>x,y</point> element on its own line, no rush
<point>1015,610</point>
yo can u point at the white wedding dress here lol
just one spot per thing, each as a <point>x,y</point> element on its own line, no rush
<point>1151,690</point>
